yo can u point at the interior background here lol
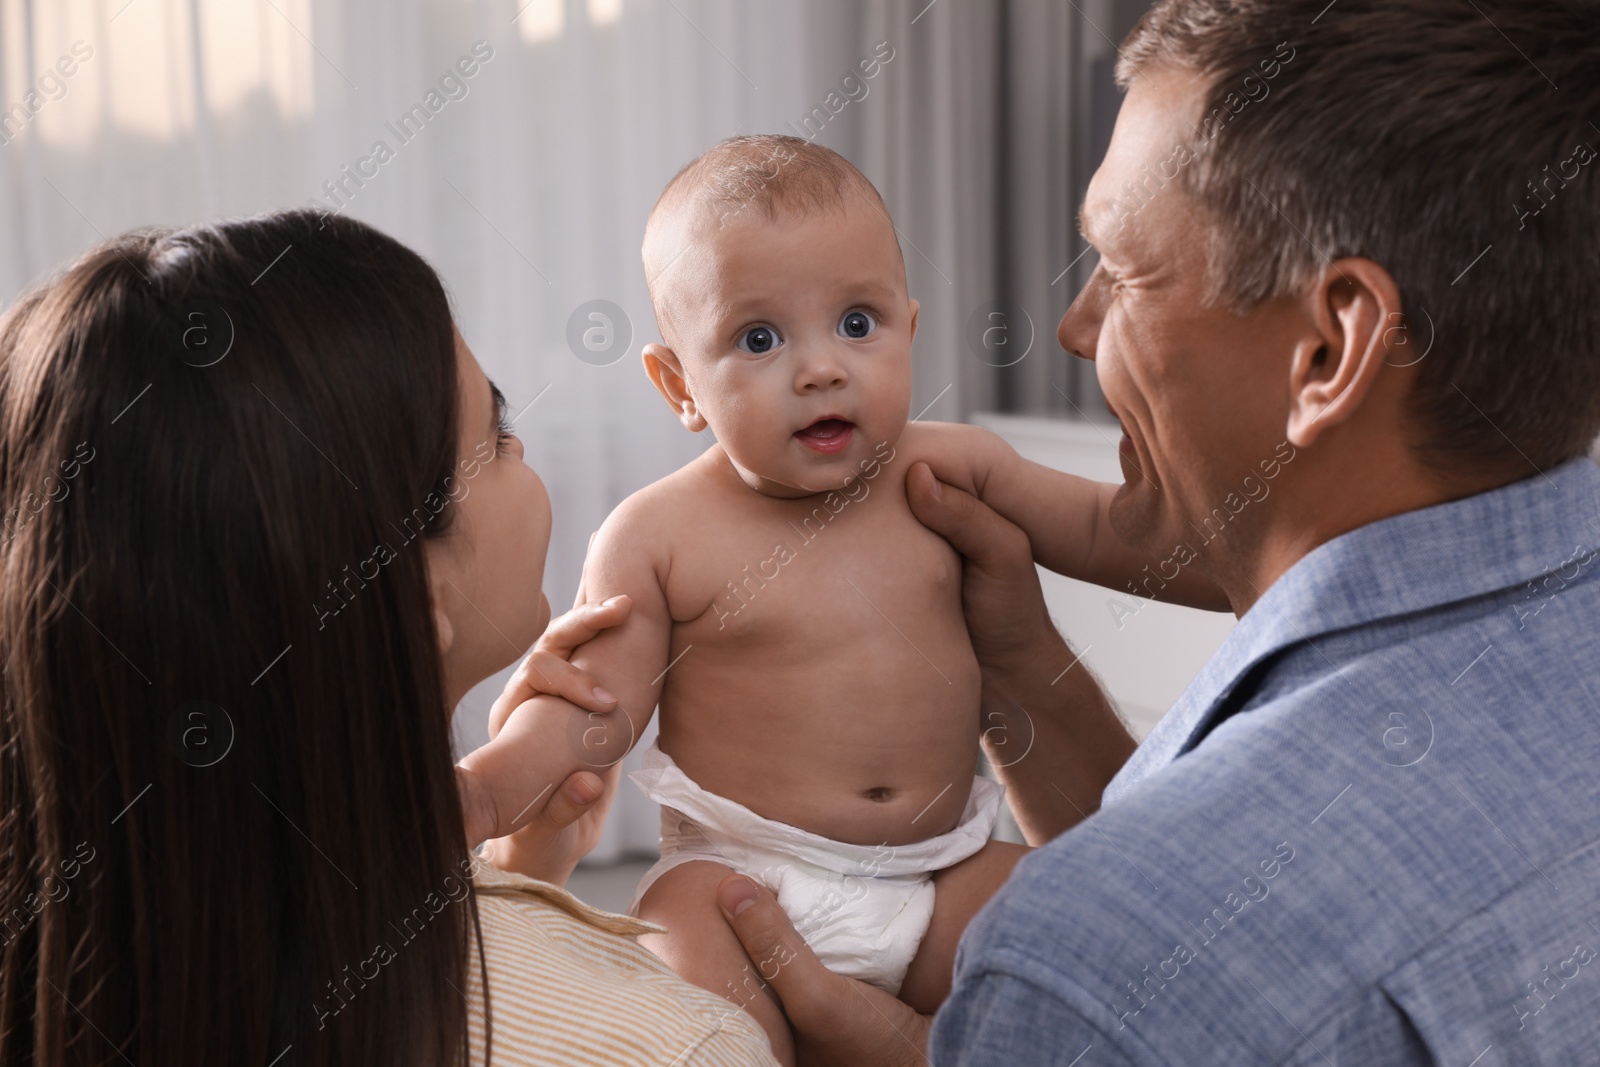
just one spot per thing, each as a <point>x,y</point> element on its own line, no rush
<point>529,184</point>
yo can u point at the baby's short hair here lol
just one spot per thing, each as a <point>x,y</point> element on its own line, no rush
<point>771,175</point>
<point>766,172</point>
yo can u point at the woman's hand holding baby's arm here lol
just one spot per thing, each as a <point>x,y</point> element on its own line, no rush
<point>544,670</point>
<point>544,744</point>
<point>565,830</point>
<point>548,668</point>
<point>553,722</point>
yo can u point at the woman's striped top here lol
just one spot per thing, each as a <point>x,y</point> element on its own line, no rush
<point>570,987</point>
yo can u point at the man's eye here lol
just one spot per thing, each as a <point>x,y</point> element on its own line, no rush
<point>857,324</point>
<point>759,340</point>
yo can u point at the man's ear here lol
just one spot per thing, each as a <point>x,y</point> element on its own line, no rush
<point>664,369</point>
<point>915,307</point>
<point>1354,308</point>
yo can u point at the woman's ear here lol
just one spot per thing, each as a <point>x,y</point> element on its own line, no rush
<point>1354,309</point>
<point>434,559</point>
<point>445,629</point>
<point>664,369</point>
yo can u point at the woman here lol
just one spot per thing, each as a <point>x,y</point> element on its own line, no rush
<point>266,525</point>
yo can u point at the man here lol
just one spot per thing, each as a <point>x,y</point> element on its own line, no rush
<point>1345,314</point>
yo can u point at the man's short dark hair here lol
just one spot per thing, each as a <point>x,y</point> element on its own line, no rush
<point>1452,142</point>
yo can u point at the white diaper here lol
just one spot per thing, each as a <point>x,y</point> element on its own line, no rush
<point>863,909</point>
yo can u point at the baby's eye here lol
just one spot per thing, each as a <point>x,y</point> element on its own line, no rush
<point>759,340</point>
<point>857,324</point>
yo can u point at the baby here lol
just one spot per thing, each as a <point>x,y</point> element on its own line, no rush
<point>800,630</point>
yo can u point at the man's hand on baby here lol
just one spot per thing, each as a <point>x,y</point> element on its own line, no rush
<point>836,1020</point>
<point>1000,593</point>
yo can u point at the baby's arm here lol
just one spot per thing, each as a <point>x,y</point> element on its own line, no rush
<point>546,739</point>
<point>1066,518</point>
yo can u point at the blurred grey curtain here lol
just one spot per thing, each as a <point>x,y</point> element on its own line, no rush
<point>982,139</point>
<point>971,145</point>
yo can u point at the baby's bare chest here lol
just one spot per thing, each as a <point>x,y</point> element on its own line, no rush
<point>833,572</point>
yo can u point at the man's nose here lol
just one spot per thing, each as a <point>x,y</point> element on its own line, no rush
<point>1079,332</point>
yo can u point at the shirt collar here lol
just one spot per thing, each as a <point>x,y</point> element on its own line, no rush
<point>1407,563</point>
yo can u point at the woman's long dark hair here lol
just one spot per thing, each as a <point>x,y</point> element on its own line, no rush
<point>231,830</point>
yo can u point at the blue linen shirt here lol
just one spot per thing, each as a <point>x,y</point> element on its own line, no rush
<point>1368,832</point>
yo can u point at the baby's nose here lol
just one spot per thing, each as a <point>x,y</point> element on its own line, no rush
<point>821,370</point>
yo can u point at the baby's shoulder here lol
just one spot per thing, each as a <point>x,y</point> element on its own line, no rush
<point>921,440</point>
<point>669,508</point>
<point>651,510</point>
<point>959,454</point>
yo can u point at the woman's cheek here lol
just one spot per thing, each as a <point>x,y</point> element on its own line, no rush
<point>534,531</point>
<point>543,518</point>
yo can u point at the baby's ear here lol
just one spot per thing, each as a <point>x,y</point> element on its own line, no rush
<point>915,307</point>
<point>665,370</point>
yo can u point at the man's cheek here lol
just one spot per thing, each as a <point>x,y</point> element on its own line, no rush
<point>1106,375</point>
<point>1114,369</point>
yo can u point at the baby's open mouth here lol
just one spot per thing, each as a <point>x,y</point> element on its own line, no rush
<point>827,435</point>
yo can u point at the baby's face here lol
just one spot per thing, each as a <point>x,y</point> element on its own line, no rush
<point>794,337</point>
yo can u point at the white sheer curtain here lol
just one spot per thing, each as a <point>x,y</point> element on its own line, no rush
<point>528,182</point>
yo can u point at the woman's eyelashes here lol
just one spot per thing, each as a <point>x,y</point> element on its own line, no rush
<point>759,340</point>
<point>857,324</point>
<point>505,432</point>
